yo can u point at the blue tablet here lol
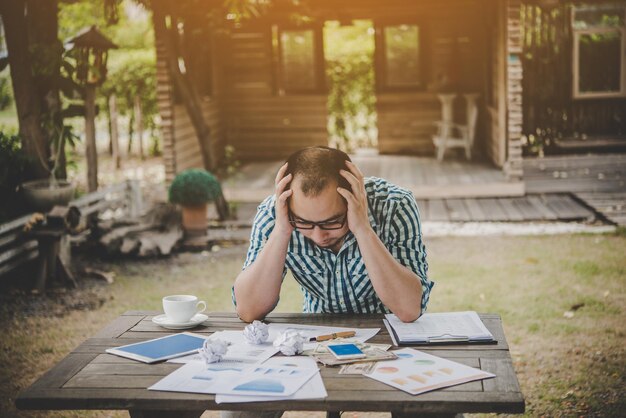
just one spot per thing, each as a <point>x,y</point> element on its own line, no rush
<point>162,348</point>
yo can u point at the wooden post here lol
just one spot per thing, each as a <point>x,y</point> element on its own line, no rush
<point>513,167</point>
<point>90,138</point>
<point>135,198</point>
<point>115,144</point>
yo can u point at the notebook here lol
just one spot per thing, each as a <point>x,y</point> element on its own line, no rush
<point>439,328</point>
<point>162,348</point>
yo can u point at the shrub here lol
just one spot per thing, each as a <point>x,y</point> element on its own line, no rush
<point>194,187</point>
<point>13,164</point>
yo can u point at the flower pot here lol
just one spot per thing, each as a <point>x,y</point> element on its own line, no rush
<point>195,221</point>
<point>40,196</point>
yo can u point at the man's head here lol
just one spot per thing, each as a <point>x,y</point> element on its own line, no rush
<point>315,198</point>
<point>317,167</point>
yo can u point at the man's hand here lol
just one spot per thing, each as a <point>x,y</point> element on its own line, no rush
<point>358,220</point>
<point>282,226</point>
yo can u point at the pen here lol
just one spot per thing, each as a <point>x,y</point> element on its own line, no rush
<point>342,334</point>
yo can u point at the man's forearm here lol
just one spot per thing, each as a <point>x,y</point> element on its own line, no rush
<point>258,286</point>
<point>398,287</point>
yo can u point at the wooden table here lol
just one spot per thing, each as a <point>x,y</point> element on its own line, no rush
<point>88,378</point>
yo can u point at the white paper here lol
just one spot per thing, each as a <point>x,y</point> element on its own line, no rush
<point>239,350</point>
<point>198,377</point>
<point>417,372</point>
<point>279,378</point>
<point>313,389</point>
<point>310,331</point>
<point>445,326</point>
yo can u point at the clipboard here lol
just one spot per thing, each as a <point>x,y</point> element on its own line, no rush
<point>414,334</point>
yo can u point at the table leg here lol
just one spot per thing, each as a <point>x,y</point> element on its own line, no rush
<point>136,413</point>
<point>333,414</point>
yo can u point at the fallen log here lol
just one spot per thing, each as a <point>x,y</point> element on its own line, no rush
<point>154,234</point>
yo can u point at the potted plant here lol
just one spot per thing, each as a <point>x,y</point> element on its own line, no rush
<point>192,189</point>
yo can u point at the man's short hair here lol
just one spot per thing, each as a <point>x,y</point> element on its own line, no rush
<point>317,167</point>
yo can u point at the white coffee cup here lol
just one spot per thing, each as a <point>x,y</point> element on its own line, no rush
<point>181,308</point>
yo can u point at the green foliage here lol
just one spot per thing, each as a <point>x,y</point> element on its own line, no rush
<point>13,164</point>
<point>350,73</point>
<point>132,73</point>
<point>130,32</point>
<point>6,91</point>
<point>194,187</point>
<point>230,163</point>
<point>46,58</point>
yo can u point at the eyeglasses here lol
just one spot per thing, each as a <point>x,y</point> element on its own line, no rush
<point>327,225</point>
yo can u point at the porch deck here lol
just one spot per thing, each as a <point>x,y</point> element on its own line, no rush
<point>597,180</point>
<point>425,177</point>
<point>458,191</point>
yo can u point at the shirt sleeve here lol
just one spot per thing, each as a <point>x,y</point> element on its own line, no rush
<point>262,227</point>
<point>405,242</point>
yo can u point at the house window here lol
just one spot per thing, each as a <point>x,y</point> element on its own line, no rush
<point>400,66</point>
<point>300,61</point>
<point>599,56</point>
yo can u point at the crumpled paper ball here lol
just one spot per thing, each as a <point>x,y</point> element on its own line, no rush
<point>290,342</point>
<point>256,333</point>
<point>213,350</point>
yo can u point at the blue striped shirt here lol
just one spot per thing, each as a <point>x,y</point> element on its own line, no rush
<point>339,283</point>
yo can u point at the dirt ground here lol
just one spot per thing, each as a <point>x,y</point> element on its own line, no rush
<point>561,299</point>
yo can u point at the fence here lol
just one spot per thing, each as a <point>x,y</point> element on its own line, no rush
<point>122,199</point>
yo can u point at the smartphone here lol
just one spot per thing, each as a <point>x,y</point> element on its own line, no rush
<point>346,351</point>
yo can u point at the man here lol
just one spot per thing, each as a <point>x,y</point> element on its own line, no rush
<point>353,244</point>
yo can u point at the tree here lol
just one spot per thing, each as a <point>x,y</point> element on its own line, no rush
<point>160,12</point>
<point>161,9</point>
<point>28,101</point>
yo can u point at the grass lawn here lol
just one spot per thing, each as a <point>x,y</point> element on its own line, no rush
<point>567,366</point>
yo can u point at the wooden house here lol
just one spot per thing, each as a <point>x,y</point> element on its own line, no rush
<point>262,82</point>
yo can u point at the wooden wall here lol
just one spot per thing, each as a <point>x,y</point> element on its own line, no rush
<point>186,147</point>
<point>273,127</point>
<point>165,106</point>
<point>405,122</point>
<point>260,122</point>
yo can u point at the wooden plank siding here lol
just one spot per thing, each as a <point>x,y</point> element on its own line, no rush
<point>275,126</point>
<point>186,147</point>
<point>261,124</point>
<point>165,101</point>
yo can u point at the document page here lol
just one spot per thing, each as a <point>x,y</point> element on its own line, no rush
<point>441,326</point>
<point>417,372</point>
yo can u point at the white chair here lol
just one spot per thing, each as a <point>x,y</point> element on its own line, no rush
<point>454,135</point>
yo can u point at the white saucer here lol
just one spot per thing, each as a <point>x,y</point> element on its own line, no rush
<point>165,322</point>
